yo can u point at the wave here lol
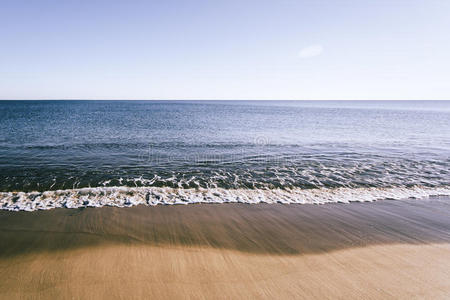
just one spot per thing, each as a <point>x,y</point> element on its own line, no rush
<point>130,196</point>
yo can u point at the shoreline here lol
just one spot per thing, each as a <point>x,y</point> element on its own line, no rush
<point>393,249</point>
<point>124,196</point>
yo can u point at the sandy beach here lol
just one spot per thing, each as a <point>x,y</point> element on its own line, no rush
<point>380,250</point>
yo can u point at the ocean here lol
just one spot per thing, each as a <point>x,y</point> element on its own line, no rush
<point>123,153</point>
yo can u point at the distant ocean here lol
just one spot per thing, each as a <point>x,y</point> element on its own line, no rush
<point>122,153</point>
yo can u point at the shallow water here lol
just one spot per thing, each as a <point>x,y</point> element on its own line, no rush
<point>227,151</point>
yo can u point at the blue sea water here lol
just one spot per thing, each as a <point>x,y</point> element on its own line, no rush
<point>94,153</point>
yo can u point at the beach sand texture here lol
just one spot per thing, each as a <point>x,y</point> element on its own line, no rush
<point>386,249</point>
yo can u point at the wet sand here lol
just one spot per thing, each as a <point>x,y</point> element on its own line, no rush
<point>386,249</point>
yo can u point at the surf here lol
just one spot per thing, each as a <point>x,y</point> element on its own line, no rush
<point>123,196</point>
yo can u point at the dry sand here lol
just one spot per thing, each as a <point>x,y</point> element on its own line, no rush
<point>387,249</point>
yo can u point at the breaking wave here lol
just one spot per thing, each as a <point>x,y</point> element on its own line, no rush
<point>130,196</point>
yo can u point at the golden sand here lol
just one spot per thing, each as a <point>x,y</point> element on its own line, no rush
<point>388,249</point>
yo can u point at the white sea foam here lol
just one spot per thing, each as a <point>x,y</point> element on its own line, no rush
<point>130,196</point>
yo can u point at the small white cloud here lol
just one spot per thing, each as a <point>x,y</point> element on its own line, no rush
<point>311,51</point>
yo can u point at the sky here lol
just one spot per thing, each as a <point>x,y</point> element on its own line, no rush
<point>230,49</point>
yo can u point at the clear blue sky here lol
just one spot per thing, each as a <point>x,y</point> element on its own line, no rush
<point>231,49</point>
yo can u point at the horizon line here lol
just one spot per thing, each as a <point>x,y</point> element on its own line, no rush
<point>173,99</point>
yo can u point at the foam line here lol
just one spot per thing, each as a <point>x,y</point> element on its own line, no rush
<point>130,196</point>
